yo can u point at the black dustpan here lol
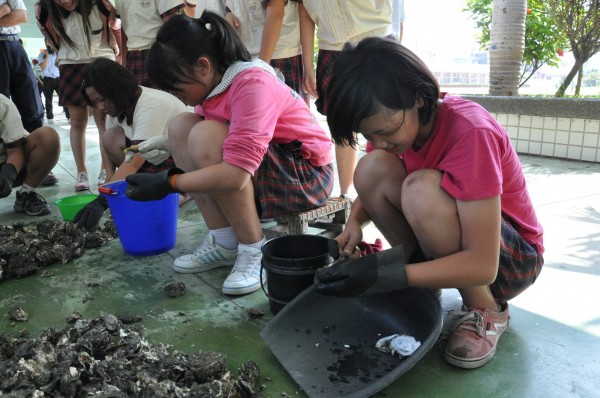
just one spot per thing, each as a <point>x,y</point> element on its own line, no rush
<point>327,344</point>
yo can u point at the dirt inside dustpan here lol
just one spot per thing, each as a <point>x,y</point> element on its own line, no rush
<point>327,344</point>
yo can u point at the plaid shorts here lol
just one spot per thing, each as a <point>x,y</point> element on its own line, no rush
<point>325,62</point>
<point>136,63</point>
<point>519,266</point>
<point>148,167</point>
<point>293,72</point>
<point>71,77</point>
<point>287,183</point>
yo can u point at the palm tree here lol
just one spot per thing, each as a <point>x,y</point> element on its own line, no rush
<point>507,43</point>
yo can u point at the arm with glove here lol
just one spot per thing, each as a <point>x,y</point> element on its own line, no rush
<point>90,215</point>
<point>376,273</point>
<point>155,150</point>
<point>8,175</point>
<point>145,187</point>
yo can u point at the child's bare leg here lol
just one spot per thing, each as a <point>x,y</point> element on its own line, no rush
<point>106,164</point>
<point>79,119</point>
<point>113,144</point>
<point>196,143</point>
<point>433,216</point>
<point>378,180</point>
<point>42,149</point>
<point>345,158</point>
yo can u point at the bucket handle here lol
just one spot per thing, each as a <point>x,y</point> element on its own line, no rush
<point>262,286</point>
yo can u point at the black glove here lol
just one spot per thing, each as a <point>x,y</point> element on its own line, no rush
<point>145,187</point>
<point>91,213</point>
<point>8,175</point>
<point>376,273</point>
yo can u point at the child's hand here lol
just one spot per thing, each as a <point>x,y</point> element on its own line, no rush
<point>91,213</point>
<point>373,274</point>
<point>8,175</point>
<point>155,150</point>
<point>145,187</point>
<point>350,237</point>
<point>309,84</point>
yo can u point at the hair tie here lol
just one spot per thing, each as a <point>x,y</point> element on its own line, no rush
<point>208,26</point>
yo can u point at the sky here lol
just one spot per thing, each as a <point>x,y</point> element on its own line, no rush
<point>438,30</point>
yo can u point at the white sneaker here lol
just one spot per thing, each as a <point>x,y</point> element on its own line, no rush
<point>102,177</point>
<point>207,256</point>
<point>82,183</point>
<point>245,275</point>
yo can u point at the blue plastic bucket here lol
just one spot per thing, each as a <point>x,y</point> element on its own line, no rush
<point>145,228</point>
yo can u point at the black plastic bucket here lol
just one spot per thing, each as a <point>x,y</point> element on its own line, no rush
<point>290,262</point>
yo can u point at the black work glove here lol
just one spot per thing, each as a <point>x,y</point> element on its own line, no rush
<point>8,175</point>
<point>376,273</point>
<point>145,187</point>
<point>91,213</point>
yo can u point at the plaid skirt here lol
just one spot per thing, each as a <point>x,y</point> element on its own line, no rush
<point>136,63</point>
<point>71,77</point>
<point>293,72</point>
<point>519,266</point>
<point>287,183</point>
<point>148,167</point>
<point>325,63</point>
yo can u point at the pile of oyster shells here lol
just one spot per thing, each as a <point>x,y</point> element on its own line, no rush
<point>103,358</point>
<point>24,249</point>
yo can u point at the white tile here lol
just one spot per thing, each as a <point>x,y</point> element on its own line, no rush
<point>549,136</point>
<point>589,154</point>
<point>537,122</point>
<point>574,152</point>
<point>577,124</point>
<point>592,126</point>
<point>513,120</point>
<point>522,146</point>
<point>590,140</point>
<point>563,123</point>
<point>524,121</point>
<point>560,151</point>
<point>536,134</point>
<point>549,123</point>
<point>524,133</point>
<point>513,132</point>
<point>575,139</point>
<point>502,118</point>
<point>535,148</point>
<point>547,149</point>
<point>562,137</point>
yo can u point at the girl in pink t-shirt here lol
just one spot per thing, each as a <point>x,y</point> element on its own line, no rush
<point>443,183</point>
<point>251,149</point>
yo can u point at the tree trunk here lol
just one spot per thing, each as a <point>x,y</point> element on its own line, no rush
<point>569,78</point>
<point>579,79</point>
<point>507,43</point>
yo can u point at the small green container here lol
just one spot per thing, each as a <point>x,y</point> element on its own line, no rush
<point>70,205</point>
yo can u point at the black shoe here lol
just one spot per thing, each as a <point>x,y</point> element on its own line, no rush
<point>50,179</point>
<point>31,203</point>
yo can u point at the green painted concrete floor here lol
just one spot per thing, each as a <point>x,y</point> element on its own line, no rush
<point>551,349</point>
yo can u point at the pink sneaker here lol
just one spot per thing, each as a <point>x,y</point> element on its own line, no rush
<point>473,342</point>
<point>82,183</point>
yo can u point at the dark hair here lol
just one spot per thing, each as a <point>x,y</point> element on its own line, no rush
<point>111,80</point>
<point>376,72</point>
<point>182,40</point>
<point>56,13</point>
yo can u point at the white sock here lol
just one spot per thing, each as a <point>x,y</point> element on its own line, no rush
<point>27,188</point>
<point>256,245</point>
<point>225,237</point>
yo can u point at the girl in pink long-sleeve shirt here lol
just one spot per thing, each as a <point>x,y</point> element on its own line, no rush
<point>251,149</point>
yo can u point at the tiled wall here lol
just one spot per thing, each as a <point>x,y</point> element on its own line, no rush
<point>559,137</point>
<point>559,128</point>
